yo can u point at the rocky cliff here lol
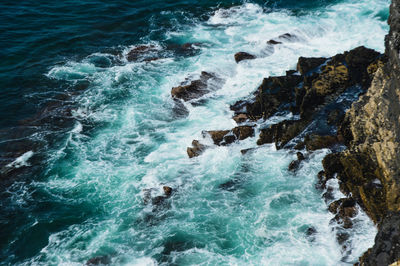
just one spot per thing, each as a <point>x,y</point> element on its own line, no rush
<point>369,170</point>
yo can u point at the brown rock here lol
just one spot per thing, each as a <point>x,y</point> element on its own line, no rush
<point>196,150</point>
<point>315,142</point>
<point>240,118</point>
<point>194,89</point>
<point>243,56</point>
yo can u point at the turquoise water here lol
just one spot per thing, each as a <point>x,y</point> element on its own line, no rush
<point>124,136</point>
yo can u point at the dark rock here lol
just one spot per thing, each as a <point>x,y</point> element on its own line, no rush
<point>335,117</point>
<point>300,156</point>
<point>139,52</point>
<point>100,260</point>
<point>282,132</point>
<point>195,89</point>
<point>243,56</point>
<point>273,42</point>
<point>294,165</point>
<point>240,118</point>
<point>387,242</point>
<point>167,191</point>
<point>225,137</point>
<point>315,142</point>
<point>196,150</point>
<point>328,194</point>
<point>245,151</point>
<point>288,37</point>
<point>342,237</point>
<point>305,65</point>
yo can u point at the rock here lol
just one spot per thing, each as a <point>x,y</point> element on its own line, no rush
<point>305,65</point>
<point>225,137</point>
<point>167,191</point>
<point>288,37</point>
<point>217,135</point>
<point>140,52</point>
<point>245,151</point>
<point>194,89</point>
<point>300,156</point>
<point>321,184</point>
<point>335,117</point>
<point>243,132</point>
<point>99,260</point>
<point>387,242</point>
<point>294,165</point>
<point>273,42</point>
<point>240,118</point>
<point>282,132</point>
<point>342,237</point>
<point>243,56</point>
<point>196,150</point>
<point>315,142</point>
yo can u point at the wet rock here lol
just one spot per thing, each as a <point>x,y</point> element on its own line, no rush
<point>335,117</point>
<point>306,64</point>
<point>196,150</point>
<point>225,137</point>
<point>167,191</point>
<point>100,260</point>
<point>217,135</point>
<point>195,88</point>
<point>273,42</point>
<point>273,93</point>
<point>328,194</point>
<point>315,142</point>
<point>282,132</point>
<point>294,165</point>
<point>240,118</point>
<point>245,151</point>
<point>140,52</point>
<point>387,242</point>
<point>243,56</point>
<point>288,37</point>
<point>321,183</point>
<point>342,237</point>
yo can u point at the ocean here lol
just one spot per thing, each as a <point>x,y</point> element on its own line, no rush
<point>87,134</point>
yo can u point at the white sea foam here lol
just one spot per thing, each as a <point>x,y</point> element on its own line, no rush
<point>260,218</point>
<point>21,160</point>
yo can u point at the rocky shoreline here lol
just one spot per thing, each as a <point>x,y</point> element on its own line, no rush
<point>362,133</point>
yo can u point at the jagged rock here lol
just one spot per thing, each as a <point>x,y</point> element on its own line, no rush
<point>315,142</point>
<point>335,117</point>
<point>217,135</point>
<point>282,132</point>
<point>243,56</point>
<point>195,89</point>
<point>139,52</point>
<point>225,137</point>
<point>306,64</point>
<point>294,165</point>
<point>387,242</point>
<point>196,150</point>
<point>240,118</point>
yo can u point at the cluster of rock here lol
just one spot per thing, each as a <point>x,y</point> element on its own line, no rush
<point>309,92</point>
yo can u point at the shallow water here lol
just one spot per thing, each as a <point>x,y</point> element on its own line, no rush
<point>112,131</point>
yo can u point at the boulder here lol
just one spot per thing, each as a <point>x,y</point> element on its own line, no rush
<point>306,64</point>
<point>196,150</point>
<point>141,52</point>
<point>225,137</point>
<point>243,56</point>
<point>240,118</point>
<point>194,89</point>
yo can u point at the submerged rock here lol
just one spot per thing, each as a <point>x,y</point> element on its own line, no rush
<point>243,56</point>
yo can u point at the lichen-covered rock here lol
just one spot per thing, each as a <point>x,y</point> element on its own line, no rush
<point>243,56</point>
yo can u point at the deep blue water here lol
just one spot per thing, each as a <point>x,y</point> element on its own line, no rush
<point>94,130</point>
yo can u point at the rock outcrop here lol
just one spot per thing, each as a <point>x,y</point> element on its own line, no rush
<point>369,170</point>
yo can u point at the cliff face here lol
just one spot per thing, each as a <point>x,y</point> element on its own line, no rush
<point>369,170</point>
